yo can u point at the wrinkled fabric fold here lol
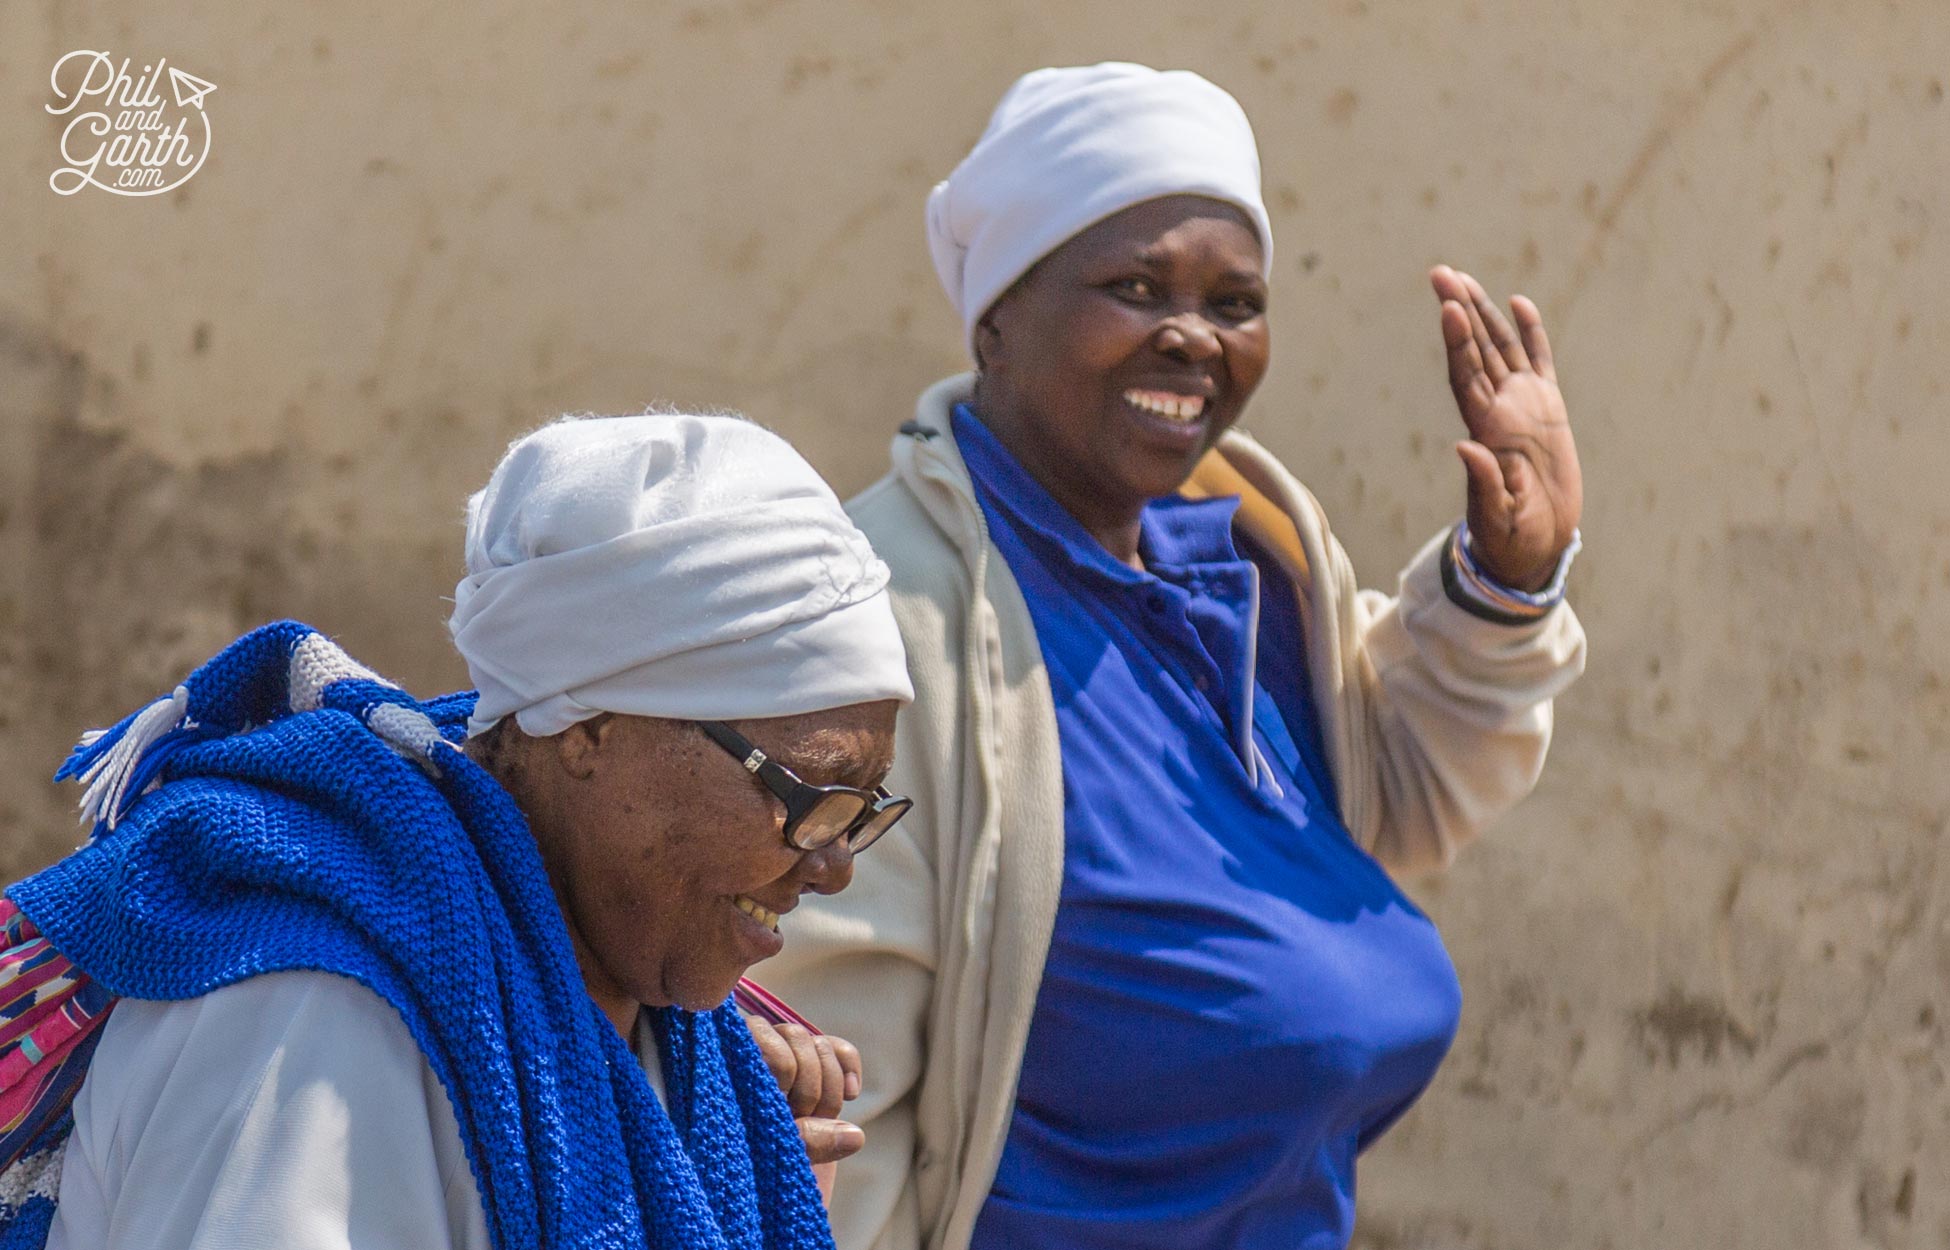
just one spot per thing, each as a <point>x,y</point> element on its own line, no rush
<point>682,566</point>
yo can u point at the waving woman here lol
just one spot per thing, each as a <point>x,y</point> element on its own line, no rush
<point>1137,972</point>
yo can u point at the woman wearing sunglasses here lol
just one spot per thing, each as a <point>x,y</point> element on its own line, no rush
<point>343,968</point>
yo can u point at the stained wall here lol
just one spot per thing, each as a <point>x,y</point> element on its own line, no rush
<point>1704,964</point>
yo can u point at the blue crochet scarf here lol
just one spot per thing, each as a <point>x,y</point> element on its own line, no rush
<point>307,815</point>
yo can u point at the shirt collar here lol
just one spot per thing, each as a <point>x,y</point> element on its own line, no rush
<point>1176,532</point>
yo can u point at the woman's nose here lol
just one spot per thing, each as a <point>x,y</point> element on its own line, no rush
<point>828,869</point>
<point>1188,336</point>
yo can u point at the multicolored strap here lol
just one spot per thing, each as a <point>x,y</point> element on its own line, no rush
<point>1473,590</point>
<point>50,1019</point>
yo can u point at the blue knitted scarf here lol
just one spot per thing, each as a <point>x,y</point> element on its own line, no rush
<point>288,810</point>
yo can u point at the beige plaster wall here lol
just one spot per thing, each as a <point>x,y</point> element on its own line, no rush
<point>1705,964</point>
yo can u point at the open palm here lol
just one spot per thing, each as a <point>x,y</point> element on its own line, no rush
<point>1526,491</point>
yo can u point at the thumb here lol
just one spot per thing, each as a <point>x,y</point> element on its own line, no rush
<point>1489,500</point>
<point>830,1140</point>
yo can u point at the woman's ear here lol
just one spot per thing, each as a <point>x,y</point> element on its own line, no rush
<point>988,341</point>
<point>577,747</point>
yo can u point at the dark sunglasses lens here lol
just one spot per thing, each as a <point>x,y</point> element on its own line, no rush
<point>827,819</point>
<point>886,815</point>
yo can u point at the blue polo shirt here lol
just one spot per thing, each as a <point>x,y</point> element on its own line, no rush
<point>1237,998</point>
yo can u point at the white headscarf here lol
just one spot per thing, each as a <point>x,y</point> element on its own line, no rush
<point>1067,148</point>
<point>692,567</point>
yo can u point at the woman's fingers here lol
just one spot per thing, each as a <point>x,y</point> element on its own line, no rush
<point>774,1049</point>
<point>1505,340</point>
<point>804,1094</point>
<point>829,1140</point>
<point>1471,386</point>
<point>851,1068</point>
<point>1530,323</point>
<point>1448,284</point>
<point>1457,287</point>
<point>1489,499</point>
<point>817,1073</point>
<point>1493,362</point>
<point>1504,348</point>
<point>831,1082</point>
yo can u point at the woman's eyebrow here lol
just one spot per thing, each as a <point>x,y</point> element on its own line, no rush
<point>1153,257</point>
<point>865,774</point>
<point>822,764</point>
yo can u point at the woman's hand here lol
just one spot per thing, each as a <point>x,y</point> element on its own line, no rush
<point>817,1073</point>
<point>1526,491</point>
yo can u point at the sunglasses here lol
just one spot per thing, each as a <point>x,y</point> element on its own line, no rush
<point>815,816</point>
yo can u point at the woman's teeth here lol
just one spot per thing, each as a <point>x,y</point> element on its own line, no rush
<point>770,919</point>
<point>1166,404</point>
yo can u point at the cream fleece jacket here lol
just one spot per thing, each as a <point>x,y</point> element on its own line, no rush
<point>1435,722</point>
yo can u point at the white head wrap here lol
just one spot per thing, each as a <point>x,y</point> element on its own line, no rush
<point>692,567</point>
<point>1067,148</point>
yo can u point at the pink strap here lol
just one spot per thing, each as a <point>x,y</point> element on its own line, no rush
<point>754,999</point>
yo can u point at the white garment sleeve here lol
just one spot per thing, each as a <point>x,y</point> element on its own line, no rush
<point>288,1112</point>
<point>1459,711</point>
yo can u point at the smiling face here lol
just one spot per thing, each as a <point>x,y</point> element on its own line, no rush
<point>1116,362</point>
<point>669,859</point>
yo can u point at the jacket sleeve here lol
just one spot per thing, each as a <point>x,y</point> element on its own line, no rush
<point>1458,711</point>
<point>862,964</point>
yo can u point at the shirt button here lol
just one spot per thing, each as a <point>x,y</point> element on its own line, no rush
<point>1202,682</point>
<point>1155,601</point>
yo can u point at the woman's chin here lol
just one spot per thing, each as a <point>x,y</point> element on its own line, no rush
<point>1158,480</point>
<point>1154,473</point>
<point>713,989</point>
<point>704,993</point>
<point>709,1002</point>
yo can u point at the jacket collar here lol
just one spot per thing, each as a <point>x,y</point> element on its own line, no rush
<point>926,457</point>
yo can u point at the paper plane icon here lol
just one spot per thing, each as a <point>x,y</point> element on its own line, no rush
<point>189,89</point>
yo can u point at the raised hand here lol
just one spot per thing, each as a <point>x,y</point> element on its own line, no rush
<point>1526,491</point>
